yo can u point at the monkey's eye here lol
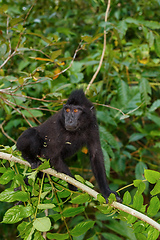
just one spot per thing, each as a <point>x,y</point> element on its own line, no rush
<point>67,110</point>
<point>75,110</point>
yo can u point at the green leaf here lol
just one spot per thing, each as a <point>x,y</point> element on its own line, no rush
<point>41,36</point>
<point>151,24</point>
<point>139,227</point>
<point>101,199</point>
<point>127,198</point>
<point>58,236</point>
<point>15,21</point>
<point>87,39</point>
<point>110,236</point>
<point>123,92</point>
<point>2,170</point>
<point>151,176</point>
<point>132,20</point>
<point>46,206</point>
<point>145,90</point>
<point>155,105</point>
<point>17,213</point>
<point>20,196</point>
<point>82,228</point>
<point>4,8</point>
<point>44,165</point>
<point>156,188</point>
<point>157,145</point>
<point>153,233</point>
<point>79,178</point>
<point>107,162</point>
<point>89,184</point>
<point>123,26</point>
<point>3,49</point>
<point>42,224</point>
<point>7,177</point>
<point>139,171</point>
<point>38,236</point>
<point>157,46</point>
<point>55,54</point>
<point>136,136</point>
<point>107,136</point>
<point>83,198</point>
<point>76,78</point>
<point>9,195</point>
<point>72,211</point>
<point>25,229</point>
<point>137,182</point>
<point>153,207</point>
<point>105,209</point>
<point>56,216</point>
<point>141,186</point>
<point>122,229</point>
<point>141,236</point>
<point>138,201</point>
<point>112,198</point>
<point>154,118</point>
<point>32,113</point>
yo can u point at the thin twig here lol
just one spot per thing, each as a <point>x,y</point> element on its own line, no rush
<point>56,75</point>
<point>2,129</point>
<point>5,91</point>
<point>16,109</point>
<point>124,114</point>
<point>108,106</point>
<point>19,40</point>
<point>103,52</point>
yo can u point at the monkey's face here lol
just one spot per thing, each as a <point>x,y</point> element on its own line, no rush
<point>72,116</point>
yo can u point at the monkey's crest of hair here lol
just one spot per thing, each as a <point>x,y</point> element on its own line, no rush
<point>78,97</point>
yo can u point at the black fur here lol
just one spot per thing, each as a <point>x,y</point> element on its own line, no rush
<point>62,135</point>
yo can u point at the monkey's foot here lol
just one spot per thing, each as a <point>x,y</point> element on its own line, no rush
<point>118,199</point>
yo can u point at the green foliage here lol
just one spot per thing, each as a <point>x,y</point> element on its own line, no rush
<point>46,51</point>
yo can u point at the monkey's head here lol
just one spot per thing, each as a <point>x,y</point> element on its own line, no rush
<point>78,112</point>
<point>72,115</point>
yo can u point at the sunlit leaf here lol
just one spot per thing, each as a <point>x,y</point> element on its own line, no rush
<point>42,224</point>
<point>7,177</point>
<point>156,189</point>
<point>17,213</point>
<point>79,178</point>
<point>151,176</point>
<point>154,206</point>
<point>127,198</point>
<point>46,206</point>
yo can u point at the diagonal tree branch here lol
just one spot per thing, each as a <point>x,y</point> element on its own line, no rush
<point>85,188</point>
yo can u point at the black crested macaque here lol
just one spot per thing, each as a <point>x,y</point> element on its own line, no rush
<point>62,135</point>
